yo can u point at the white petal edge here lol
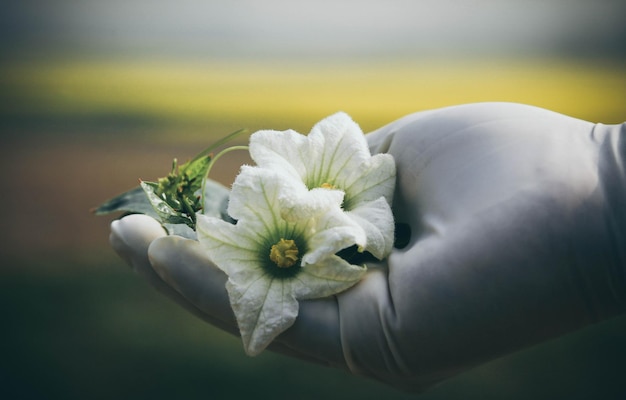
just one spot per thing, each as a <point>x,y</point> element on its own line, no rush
<point>228,249</point>
<point>296,204</point>
<point>342,145</point>
<point>376,178</point>
<point>328,277</point>
<point>283,151</point>
<point>376,219</point>
<point>263,308</point>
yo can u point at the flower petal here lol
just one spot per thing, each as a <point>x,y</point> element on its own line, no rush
<point>284,151</point>
<point>264,308</point>
<point>231,249</point>
<point>328,277</point>
<point>373,179</point>
<point>376,219</point>
<point>254,195</point>
<point>336,231</point>
<point>255,201</point>
<point>300,204</point>
<point>342,147</point>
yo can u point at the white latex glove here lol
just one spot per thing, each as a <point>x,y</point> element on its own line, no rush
<point>518,221</point>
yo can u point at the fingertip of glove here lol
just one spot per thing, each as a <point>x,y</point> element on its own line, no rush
<point>135,231</point>
<point>171,256</point>
<point>184,265</point>
<point>171,248</point>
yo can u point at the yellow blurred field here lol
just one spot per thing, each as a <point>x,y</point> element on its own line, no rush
<point>180,107</point>
<point>176,109</point>
<point>285,94</point>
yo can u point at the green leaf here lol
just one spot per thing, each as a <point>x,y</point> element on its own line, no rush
<point>133,201</point>
<point>194,171</point>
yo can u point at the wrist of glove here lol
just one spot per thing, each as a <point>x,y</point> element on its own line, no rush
<point>517,236</point>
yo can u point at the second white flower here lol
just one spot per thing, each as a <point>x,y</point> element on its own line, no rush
<point>335,156</point>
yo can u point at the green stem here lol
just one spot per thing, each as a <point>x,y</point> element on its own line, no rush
<point>217,144</point>
<point>210,166</point>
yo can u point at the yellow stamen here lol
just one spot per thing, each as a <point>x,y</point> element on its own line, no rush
<point>284,253</point>
<point>327,185</point>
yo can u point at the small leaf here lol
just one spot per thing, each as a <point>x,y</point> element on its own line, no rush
<point>194,171</point>
<point>165,212</point>
<point>133,201</point>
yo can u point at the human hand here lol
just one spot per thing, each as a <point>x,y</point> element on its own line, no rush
<point>517,236</point>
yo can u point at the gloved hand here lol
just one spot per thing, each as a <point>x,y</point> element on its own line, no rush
<point>518,235</point>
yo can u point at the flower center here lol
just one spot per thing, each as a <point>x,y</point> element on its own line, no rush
<point>284,253</point>
<point>327,185</point>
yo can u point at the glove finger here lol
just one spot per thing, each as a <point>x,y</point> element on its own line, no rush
<point>131,237</point>
<point>185,268</point>
<point>315,335</point>
<point>184,265</point>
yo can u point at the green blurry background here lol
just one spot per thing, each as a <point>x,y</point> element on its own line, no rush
<point>96,95</point>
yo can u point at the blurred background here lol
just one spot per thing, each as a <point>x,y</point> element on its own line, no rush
<point>95,95</point>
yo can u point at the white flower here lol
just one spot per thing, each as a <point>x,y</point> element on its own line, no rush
<point>335,155</point>
<point>271,263</point>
